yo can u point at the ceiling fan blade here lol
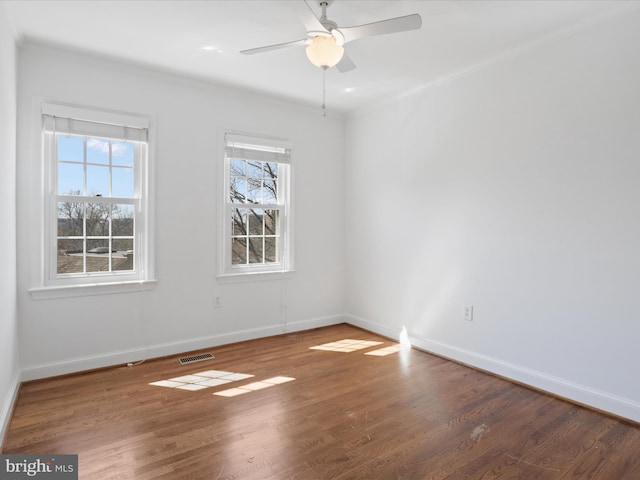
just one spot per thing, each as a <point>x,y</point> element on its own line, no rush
<point>309,18</point>
<point>345,64</point>
<point>277,46</point>
<point>392,25</point>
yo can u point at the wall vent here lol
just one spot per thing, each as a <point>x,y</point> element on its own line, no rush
<point>195,358</point>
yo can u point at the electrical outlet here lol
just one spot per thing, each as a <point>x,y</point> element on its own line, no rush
<point>217,302</point>
<point>467,313</point>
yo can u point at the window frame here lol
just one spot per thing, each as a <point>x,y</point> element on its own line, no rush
<point>50,284</point>
<point>284,265</point>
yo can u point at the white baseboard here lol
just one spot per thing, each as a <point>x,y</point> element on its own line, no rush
<point>172,348</point>
<point>6,408</point>
<point>582,394</point>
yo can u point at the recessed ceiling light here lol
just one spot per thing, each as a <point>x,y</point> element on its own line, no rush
<point>211,48</point>
<point>349,89</point>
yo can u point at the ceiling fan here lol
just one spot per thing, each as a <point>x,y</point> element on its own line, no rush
<point>325,42</point>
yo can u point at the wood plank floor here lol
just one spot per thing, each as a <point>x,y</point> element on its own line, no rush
<point>407,415</point>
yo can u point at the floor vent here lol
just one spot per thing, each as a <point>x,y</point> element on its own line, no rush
<point>195,358</point>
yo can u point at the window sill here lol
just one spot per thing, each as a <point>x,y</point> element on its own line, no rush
<point>254,276</point>
<point>46,293</point>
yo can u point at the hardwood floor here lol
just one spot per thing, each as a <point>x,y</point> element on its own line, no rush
<point>407,415</point>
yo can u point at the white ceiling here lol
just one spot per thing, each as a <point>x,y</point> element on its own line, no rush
<point>174,36</point>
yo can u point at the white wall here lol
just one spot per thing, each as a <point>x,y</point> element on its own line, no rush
<point>71,334</point>
<point>512,188</point>
<point>8,305</point>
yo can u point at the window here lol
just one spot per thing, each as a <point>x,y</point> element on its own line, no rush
<point>257,210</point>
<point>96,203</point>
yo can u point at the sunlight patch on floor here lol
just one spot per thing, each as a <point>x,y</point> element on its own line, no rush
<point>347,345</point>
<point>252,387</point>
<point>201,380</point>
<point>382,352</point>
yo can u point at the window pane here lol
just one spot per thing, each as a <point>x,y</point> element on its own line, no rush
<point>70,148</point>
<point>122,246</point>
<point>271,222</point>
<point>70,179</point>
<point>123,258</point>
<point>97,219</point>
<point>97,255</point>
<point>70,256</point>
<point>270,170</point>
<point>238,251</point>
<point>239,221</point>
<point>255,250</point>
<point>122,153</point>
<point>238,167</point>
<point>254,169</point>
<point>70,219</point>
<point>238,189</point>
<point>97,150</point>
<point>255,222</point>
<point>270,249</point>
<point>122,220</point>
<point>98,246</point>
<point>98,180</point>
<point>254,190</point>
<point>270,192</point>
<point>122,182</point>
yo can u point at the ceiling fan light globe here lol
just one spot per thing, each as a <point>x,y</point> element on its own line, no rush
<point>324,52</point>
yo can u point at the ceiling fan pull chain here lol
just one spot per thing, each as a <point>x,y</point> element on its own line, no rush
<point>324,91</point>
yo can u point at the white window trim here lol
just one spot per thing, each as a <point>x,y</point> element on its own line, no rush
<point>235,274</point>
<point>45,285</point>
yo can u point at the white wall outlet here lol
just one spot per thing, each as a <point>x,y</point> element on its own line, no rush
<point>467,313</point>
<point>217,302</point>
